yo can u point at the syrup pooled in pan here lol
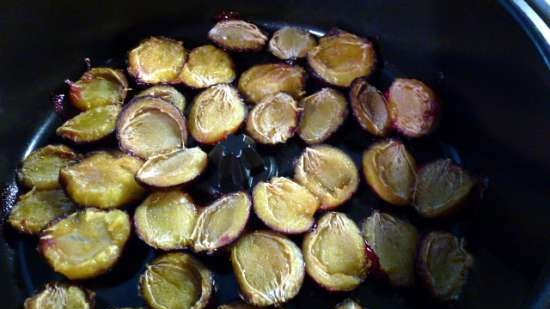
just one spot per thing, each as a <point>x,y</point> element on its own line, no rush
<point>237,163</point>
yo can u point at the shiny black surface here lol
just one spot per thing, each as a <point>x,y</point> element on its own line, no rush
<point>492,82</point>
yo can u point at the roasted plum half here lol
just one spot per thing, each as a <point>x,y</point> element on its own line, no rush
<point>91,125</point>
<point>36,208</point>
<point>335,253</point>
<point>322,114</point>
<point>237,35</point>
<point>177,281</point>
<point>441,187</point>
<point>216,112</point>
<point>328,173</point>
<point>289,43</point>
<point>263,80</point>
<point>394,242</point>
<point>285,205</point>
<point>157,60</point>
<point>269,268</point>
<point>165,220</point>
<point>85,244</point>
<point>41,168</point>
<point>390,170</point>
<point>349,304</point>
<point>149,126</point>
<point>413,107</point>
<point>342,57</point>
<point>103,180</point>
<point>221,223</point>
<point>61,296</point>
<point>443,265</point>
<point>167,93</point>
<point>174,168</point>
<point>207,66</point>
<point>98,87</point>
<point>370,107</point>
<point>274,119</point>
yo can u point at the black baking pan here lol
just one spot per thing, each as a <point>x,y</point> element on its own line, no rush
<point>487,60</point>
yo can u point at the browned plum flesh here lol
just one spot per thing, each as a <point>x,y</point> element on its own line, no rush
<point>394,241</point>
<point>98,87</point>
<point>207,66</point>
<point>103,180</point>
<point>40,169</point>
<point>390,170</point>
<point>85,244</point>
<point>222,222</point>
<point>176,281</point>
<point>237,35</point>
<point>149,126</point>
<point>91,125</point>
<point>291,43</point>
<point>216,112</point>
<point>274,119</point>
<point>328,173</point>
<point>57,295</point>
<point>441,187</point>
<point>157,60</point>
<point>349,304</point>
<point>369,107</point>
<point>322,114</point>
<point>165,220</point>
<point>285,205</point>
<point>167,93</point>
<point>335,253</point>
<point>174,168</point>
<point>36,208</point>
<point>413,107</point>
<point>269,268</point>
<point>342,57</point>
<point>443,265</point>
<point>263,80</point>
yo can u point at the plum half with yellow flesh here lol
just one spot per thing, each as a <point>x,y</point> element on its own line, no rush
<point>176,281</point>
<point>289,43</point>
<point>216,112</point>
<point>91,125</point>
<point>237,35</point>
<point>157,60</point>
<point>342,57</point>
<point>370,107</point>
<point>206,66</point>
<point>57,295</point>
<point>349,304</point>
<point>167,93</point>
<point>328,173</point>
<point>174,168</point>
<point>394,241</point>
<point>263,80</point>
<point>98,87</point>
<point>221,223</point>
<point>335,253</point>
<point>40,169</point>
<point>103,180</point>
<point>322,114</point>
<point>149,126</point>
<point>285,205</point>
<point>274,119</point>
<point>441,188</point>
<point>165,220</point>
<point>443,265</point>
<point>85,244</point>
<point>413,107</point>
<point>269,268</point>
<point>390,170</point>
<point>36,208</point>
